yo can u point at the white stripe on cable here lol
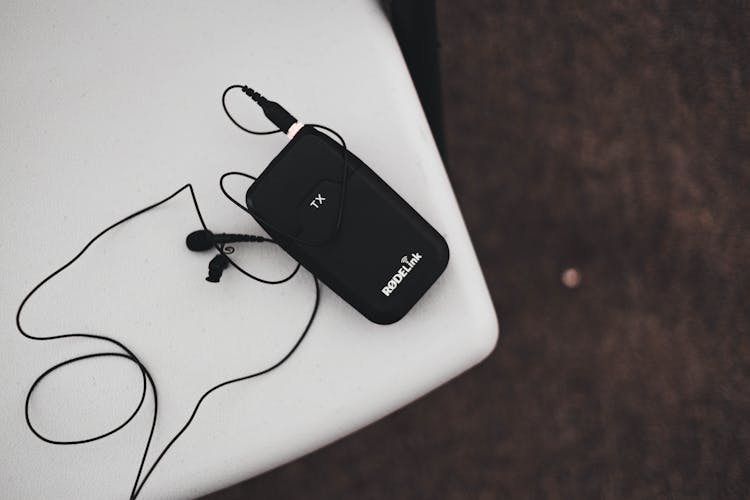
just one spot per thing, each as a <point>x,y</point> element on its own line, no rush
<point>296,126</point>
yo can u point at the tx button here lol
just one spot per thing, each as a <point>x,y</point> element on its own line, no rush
<point>318,201</point>
<point>317,211</point>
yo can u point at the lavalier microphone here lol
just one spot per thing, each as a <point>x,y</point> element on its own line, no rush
<point>202,240</point>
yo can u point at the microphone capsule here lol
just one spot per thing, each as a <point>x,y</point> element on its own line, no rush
<point>200,241</point>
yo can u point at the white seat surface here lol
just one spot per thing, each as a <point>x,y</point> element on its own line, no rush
<point>107,107</point>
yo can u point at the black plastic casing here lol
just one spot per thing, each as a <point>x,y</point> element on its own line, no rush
<point>383,257</point>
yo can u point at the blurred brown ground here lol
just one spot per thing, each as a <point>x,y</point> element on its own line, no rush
<point>616,139</point>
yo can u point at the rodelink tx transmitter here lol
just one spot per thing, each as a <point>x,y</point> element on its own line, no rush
<point>369,245</point>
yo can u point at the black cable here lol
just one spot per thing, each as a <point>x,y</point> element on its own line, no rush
<point>279,116</point>
<point>139,481</point>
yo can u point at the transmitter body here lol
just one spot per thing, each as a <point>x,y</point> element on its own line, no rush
<point>381,256</point>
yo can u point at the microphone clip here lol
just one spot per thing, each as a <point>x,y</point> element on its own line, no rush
<point>216,268</point>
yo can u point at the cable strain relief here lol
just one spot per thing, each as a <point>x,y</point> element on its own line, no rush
<point>273,110</point>
<point>252,94</point>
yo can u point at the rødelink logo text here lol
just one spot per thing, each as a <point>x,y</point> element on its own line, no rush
<point>408,265</point>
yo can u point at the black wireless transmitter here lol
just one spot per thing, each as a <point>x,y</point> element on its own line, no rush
<point>343,223</point>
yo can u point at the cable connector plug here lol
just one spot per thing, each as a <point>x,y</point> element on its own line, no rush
<point>273,110</point>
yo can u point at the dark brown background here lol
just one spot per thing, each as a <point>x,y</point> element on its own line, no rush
<point>614,139</point>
